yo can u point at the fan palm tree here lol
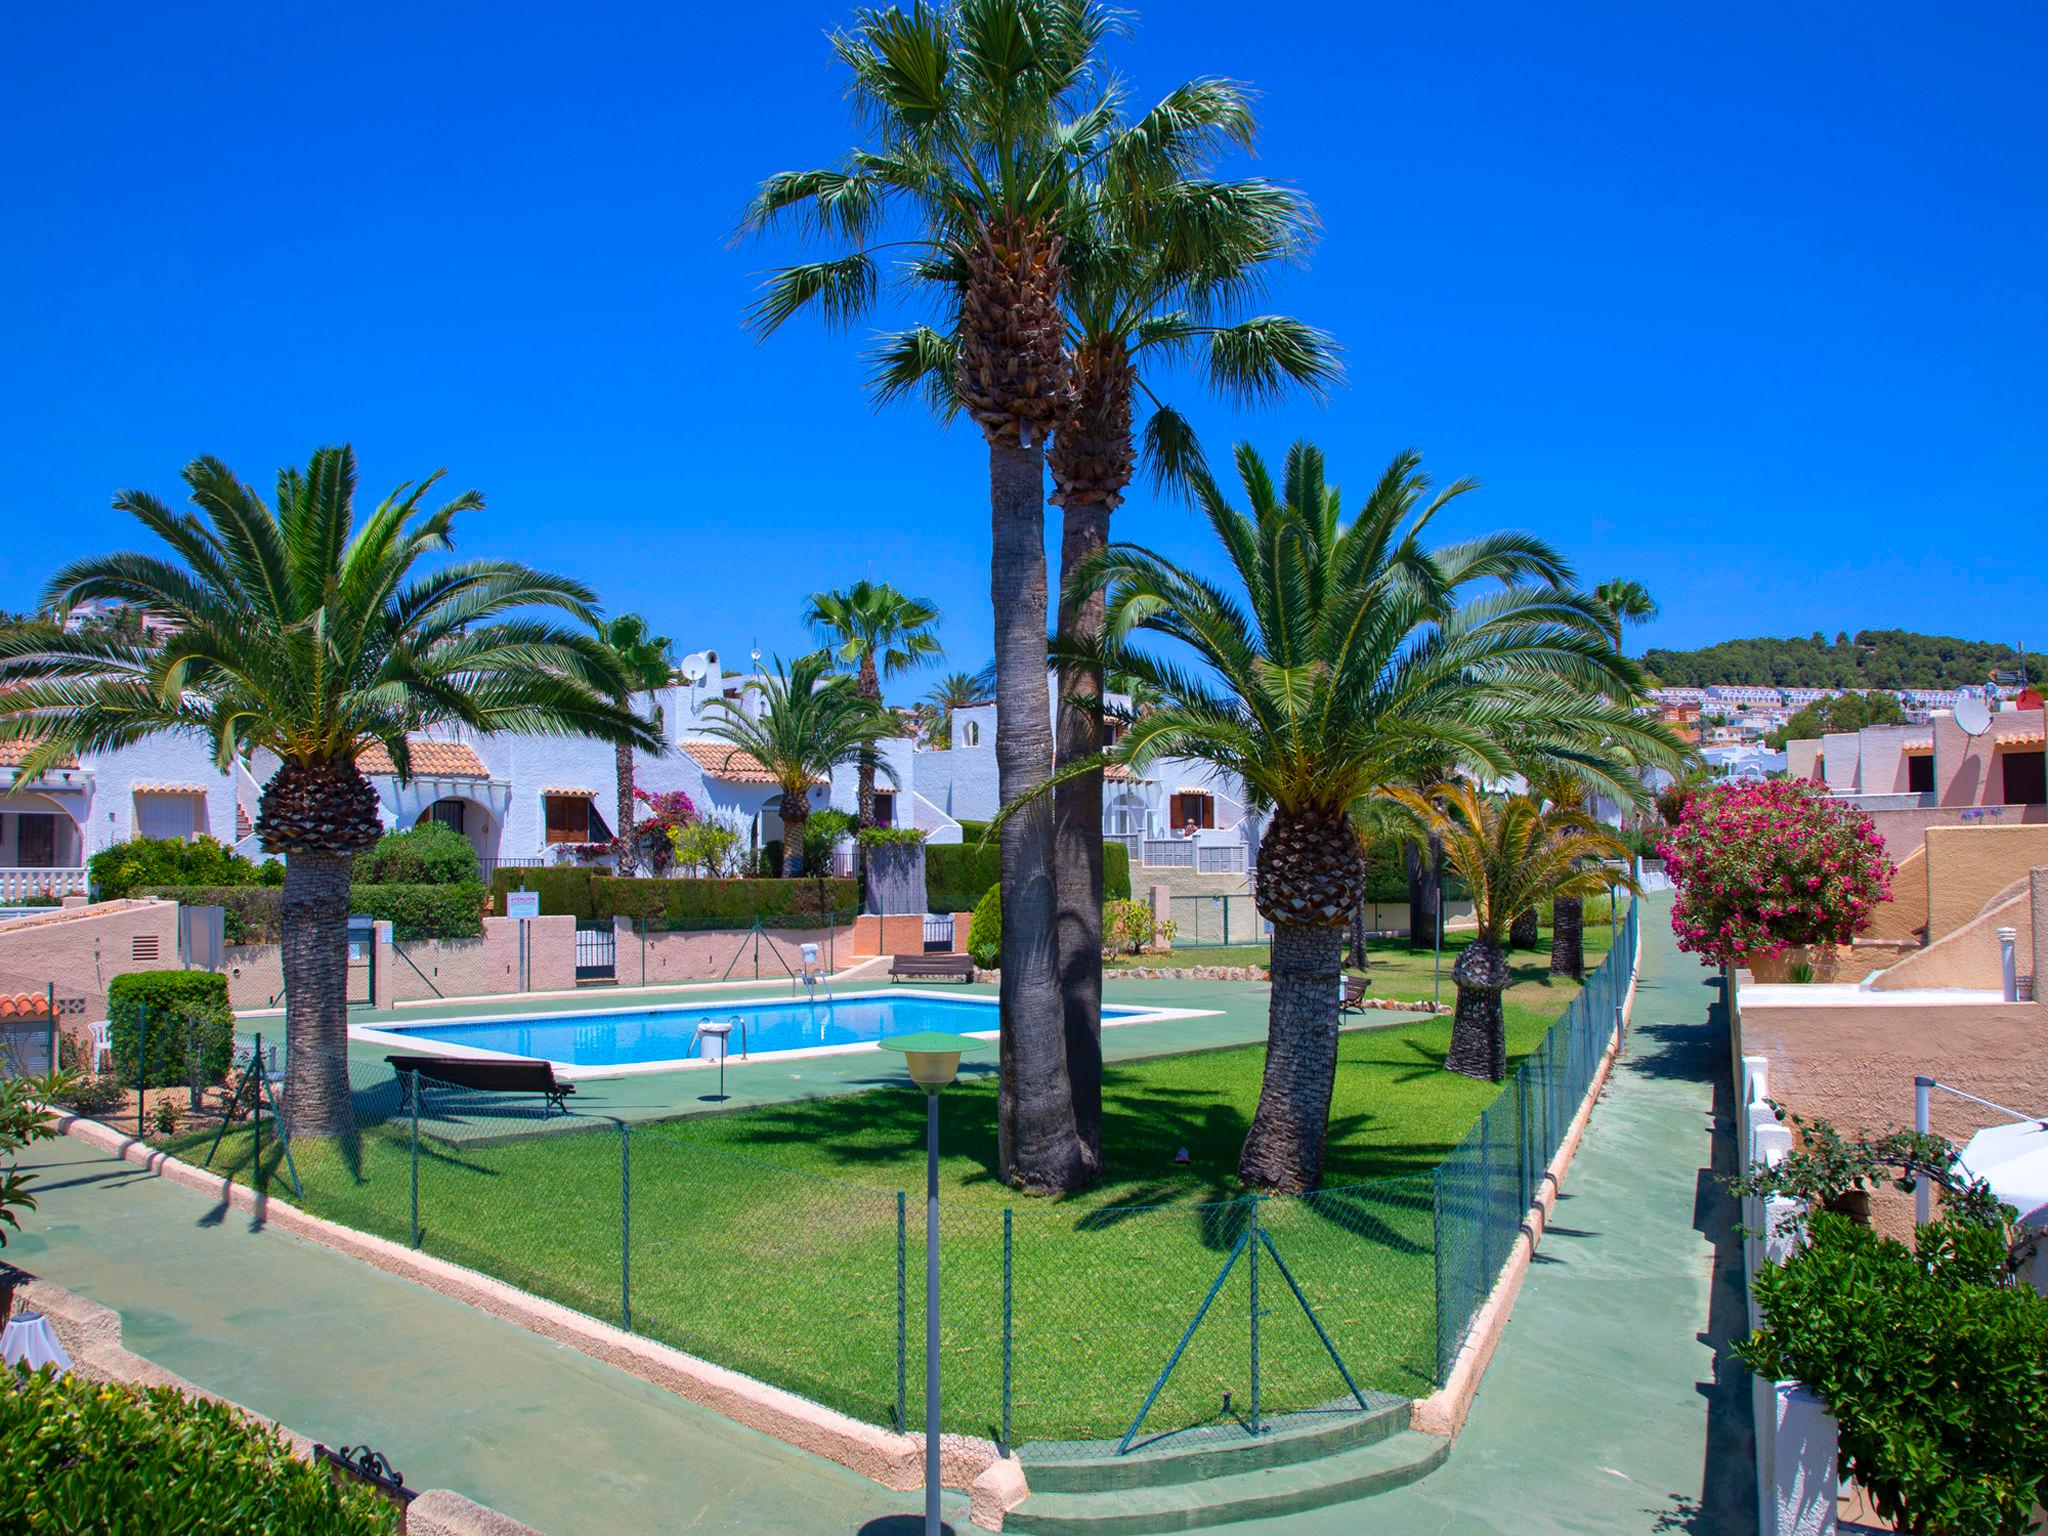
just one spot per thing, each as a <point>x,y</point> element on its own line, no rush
<point>302,633</point>
<point>1339,653</point>
<point>807,721</point>
<point>1514,855</point>
<point>1158,256</point>
<point>644,661</point>
<point>880,633</point>
<point>947,697</point>
<point>983,117</point>
<point>1626,602</point>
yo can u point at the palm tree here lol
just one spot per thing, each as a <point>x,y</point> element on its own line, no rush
<point>1514,855</point>
<point>947,697</point>
<point>644,661</point>
<point>984,117</point>
<point>1341,652</point>
<point>299,632</point>
<point>807,722</point>
<point>880,633</point>
<point>1626,602</point>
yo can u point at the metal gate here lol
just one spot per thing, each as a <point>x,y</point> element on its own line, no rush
<point>938,933</point>
<point>596,950</point>
<point>362,962</point>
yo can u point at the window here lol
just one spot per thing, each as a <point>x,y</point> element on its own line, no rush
<point>968,733</point>
<point>885,808</point>
<point>2026,778</point>
<point>35,840</point>
<point>1189,808</point>
<point>450,813</point>
<point>176,816</point>
<point>1920,773</point>
<point>575,819</point>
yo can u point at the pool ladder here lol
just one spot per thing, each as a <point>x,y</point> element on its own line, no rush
<point>737,1022</point>
<point>813,975</point>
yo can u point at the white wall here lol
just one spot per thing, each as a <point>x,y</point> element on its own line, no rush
<point>172,759</point>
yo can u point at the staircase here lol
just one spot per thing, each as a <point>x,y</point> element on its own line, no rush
<point>1211,1477</point>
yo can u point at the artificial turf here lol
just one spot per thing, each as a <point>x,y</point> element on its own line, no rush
<point>772,1240</point>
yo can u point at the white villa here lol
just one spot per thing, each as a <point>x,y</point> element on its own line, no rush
<point>529,800</point>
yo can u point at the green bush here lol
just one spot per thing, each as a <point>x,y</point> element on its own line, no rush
<point>685,905</point>
<point>957,874</point>
<point>564,892</point>
<point>1116,872</point>
<point>431,853</point>
<point>771,859</point>
<point>985,938</point>
<point>250,914</point>
<point>86,1456</point>
<point>176,1002</point>
<point>422,911</point>
<point>126,867</point>
<point>893,837</point>
<point>973,831</point>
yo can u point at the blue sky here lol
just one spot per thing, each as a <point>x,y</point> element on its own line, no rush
<point>1747,303</point>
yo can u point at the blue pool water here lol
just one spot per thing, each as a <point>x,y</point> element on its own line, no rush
<point>630,1037</point>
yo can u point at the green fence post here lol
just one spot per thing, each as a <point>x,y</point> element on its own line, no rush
<point>1226,922</point>
<point>142,1063</point>
<point>256,1123</point>
<point>1436,1256</point>
<point>50,1008</point>
<point>902,1342</point>
<point>1254,1246</point>
<point>625,1226</point>
<point>415,1158</point>
<point>1007,1215</point>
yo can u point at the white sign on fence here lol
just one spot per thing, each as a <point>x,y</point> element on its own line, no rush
<point>522,904</point>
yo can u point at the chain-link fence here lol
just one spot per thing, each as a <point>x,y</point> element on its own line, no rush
<point>1061,1322</point>
<point>33,1012</point>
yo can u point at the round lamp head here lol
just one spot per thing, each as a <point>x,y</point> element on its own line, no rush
<point>933,1058</point>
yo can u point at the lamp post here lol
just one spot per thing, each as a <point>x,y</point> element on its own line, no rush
<point>933,1060</point>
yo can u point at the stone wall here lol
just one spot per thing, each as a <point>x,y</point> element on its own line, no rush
<point>664,958</point>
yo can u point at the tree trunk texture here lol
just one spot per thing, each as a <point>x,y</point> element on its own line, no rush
<point>629,847</point>
<point>796,810</point>
<point>314,958</point>
<point>1425,880</point>
<point>1037,1148</point>
<point>1568,937</point>
<point>1284,1152</point>
<point>1526,931</point>
<point>1077,835</point>
<point>868,687</point>
<point>1360,958</point>
<point>1479,1043</point>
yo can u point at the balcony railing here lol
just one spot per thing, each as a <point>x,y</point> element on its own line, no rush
<point>21,884</point>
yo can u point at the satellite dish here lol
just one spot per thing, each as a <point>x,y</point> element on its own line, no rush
<point>693,669</point>
<point>1973,714</point>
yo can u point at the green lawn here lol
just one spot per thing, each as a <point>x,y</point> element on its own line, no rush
<point>767,1240</point>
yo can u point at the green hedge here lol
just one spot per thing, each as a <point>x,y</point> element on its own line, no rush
<point>957,874</point>
<point>680,905</point>
<point>146,861</point>
<point>423,911</point>
<point>564,892</point>
<point>88,1456</point>
<point>168,997</point>
<point>250,914</point>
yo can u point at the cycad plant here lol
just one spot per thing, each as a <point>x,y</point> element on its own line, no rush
<point>305,636</point>
<point>1514,855</point>
<point>644,661</point>
<point>1335,654</point>
<point>801,722</point>
<point>876,630</point>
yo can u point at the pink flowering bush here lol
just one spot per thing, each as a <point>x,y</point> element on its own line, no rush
<point>1763,867</point>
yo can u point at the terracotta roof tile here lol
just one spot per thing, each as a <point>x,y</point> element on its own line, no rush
<point>430,760</point>
<point>12,753</point>
<point>734,765</point>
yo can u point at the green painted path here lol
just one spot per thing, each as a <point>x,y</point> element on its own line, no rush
<point>350,1355</point>
<point>1611,1406</point>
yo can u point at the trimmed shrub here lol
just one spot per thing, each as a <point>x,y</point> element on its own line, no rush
<point>176,1002</point>
<point>97,1456</point>
<point>985,938</point>
<point>423,911</point>
<point>431,853</point>
<point>684,905</point>
<point>1116,872</point>
<point>250,914</point>
<point>956,874</point>
<point>144,861</point>
<point>973,831</point>
<point>564,892</point>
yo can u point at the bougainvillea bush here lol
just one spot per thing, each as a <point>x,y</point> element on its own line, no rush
<point>1761,868</point>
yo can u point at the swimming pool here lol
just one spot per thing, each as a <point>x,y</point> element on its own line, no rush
<point>642,1039</point>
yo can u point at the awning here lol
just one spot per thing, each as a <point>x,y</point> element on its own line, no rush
<point>2013,1160</point>
<point>169,789</point>
<point>578,794</point>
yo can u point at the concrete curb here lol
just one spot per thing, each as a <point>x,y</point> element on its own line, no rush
<point>1444,1411</point>
<point>883,1456</point>
<point>91,1335</point>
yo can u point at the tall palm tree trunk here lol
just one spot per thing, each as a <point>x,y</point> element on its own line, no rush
<point>1077,835</point>
<point>1360,958</point>
<point>869,686</point>
<point>1284,1152</point>
<point>1568,937</point>
<point>1425,888</point>
<point>1037,1147</point>
<point>796,810</point>
<point>1526,931</point>
<point>314,957</point>
<point>629,849</point>
<point>1479,1046</point>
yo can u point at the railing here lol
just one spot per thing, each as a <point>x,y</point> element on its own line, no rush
<point>1134,843</point>
<point>1169,853</point>
<point>1220,858</point>
<point>19,884</point>
<point>938,933</point>
<point>490,865</point>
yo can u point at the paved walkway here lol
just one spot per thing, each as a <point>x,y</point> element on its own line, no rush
<point>1611,1406</point>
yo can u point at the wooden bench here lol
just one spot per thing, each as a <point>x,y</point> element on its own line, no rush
<point>484,1076</point>
<point>1353,998</point>
<point>931,968</point>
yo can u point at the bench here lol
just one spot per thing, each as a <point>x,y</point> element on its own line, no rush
<point>932,968</point>
<point>1352,998</point>
<point>484,1076</point>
